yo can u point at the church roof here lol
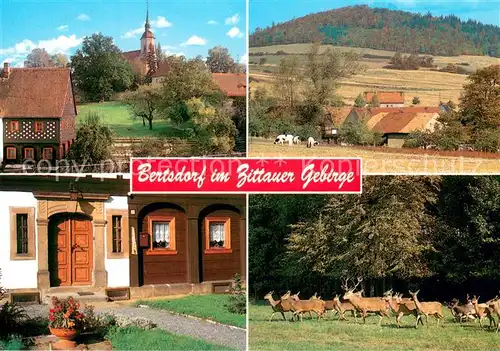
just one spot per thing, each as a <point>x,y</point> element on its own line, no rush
<point>131,55</point>
<point>148,34</point>
<point>35,92</point>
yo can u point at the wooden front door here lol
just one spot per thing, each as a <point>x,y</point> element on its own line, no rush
<point>73,251</point>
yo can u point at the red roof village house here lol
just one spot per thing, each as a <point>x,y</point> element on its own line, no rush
<point>386,98</point>
<point>38,113</point>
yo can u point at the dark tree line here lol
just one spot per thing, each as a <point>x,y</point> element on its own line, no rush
<point>441,234</point>
<point>384,29</point>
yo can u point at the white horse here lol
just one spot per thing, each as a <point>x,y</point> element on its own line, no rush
<point>296,140</point>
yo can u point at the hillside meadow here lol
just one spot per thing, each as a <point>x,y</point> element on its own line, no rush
<point>376,162</point>
<point>332,334</point>
<point>430,86</point>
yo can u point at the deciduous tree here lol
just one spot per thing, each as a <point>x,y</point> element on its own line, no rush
<point>38,58</point>
<point>99,69</point>
<point>219,60</point>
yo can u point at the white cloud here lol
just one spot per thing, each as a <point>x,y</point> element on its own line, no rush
<point>83,17</point>
<point>233,19</point>
<point>194,40</point>
<point>212,22</point>
<point>161,22</point>
<point>244,59</point>
<point>52,46</point>
<point>234,33</point>
<point>173,53</point>
<point>63,27</point>
<point>17,53</point>
<point>133,33</point>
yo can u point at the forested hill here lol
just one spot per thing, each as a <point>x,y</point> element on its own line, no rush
<point>384,29</point>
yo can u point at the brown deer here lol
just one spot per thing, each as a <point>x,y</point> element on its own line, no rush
<point>301,306</point>
<point>462,312</point>
<point>343,307</point>
<point>482,312</point>
<point>275,304</point>
<point>400,308</point>
<point>366,304</point>
<point>427,308</point>
<point>494,306</point>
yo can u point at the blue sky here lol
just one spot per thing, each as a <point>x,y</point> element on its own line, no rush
<point>264,12</point>
<point>182,27</point>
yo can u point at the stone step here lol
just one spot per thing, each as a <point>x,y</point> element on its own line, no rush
<point>80,296</point>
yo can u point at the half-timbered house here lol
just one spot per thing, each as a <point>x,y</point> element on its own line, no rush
<point>37,112</point>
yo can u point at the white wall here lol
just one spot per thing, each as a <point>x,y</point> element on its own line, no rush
<point>118,268</point>
<point>20,274</point>
<point>1,140</point>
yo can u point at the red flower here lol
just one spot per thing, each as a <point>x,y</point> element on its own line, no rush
<point>51,318</point>
<point>51,310</point>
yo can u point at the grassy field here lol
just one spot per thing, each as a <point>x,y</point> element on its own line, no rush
<point>132,338</point>
<point>378,162</point>
<point>120,119</point>
<point>429,86</point>
<point>203,306</point>
<point>331,334</point>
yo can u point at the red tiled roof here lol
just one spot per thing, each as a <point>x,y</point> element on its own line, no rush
<point>336,115</point>
<point>369,112</point>
<point>386,97</point>
<point>132,55</point>
<point>233,84</point>
<point>406,122</point>
<point>161,71</point>
<point>35,92</point>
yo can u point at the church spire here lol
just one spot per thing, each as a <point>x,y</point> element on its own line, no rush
<point>147,26</point>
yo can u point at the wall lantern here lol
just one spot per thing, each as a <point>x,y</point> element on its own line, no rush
<point>74,192</point>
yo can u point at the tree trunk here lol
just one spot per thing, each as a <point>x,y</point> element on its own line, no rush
<point>143,122</point>
<point>150,124</point>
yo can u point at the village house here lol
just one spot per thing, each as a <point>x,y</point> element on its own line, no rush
<point>38,113</point>
<point>90,237</point>
<point>386,98</point>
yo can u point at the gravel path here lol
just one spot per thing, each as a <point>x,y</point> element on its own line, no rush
<point>215,333</point>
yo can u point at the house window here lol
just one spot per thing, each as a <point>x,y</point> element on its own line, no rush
<point>117,233</point>
<point>162,232</point>
<point>29,153</point>
<point>161,235</point>
<point>47,153</point>
<point>218,235</point>
<point>14,126</point>
<point>11,153</point>
<point>22,233</point>
<point>38,127</point>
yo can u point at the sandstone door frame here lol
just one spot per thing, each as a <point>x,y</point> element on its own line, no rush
<point>91,205</point>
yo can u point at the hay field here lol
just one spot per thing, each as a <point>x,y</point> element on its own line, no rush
<point>375,162</point>
<point>430,86</point>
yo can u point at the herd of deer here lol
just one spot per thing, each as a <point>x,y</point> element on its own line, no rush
<point>383,306</point>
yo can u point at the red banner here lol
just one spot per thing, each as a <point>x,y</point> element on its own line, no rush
<point>246,175</point>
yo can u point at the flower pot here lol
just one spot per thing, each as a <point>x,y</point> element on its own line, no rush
<point>66,337</point>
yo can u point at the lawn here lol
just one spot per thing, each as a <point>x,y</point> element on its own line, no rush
<point>119,117</point>
<point>132,338</point>
<point>203,306</point>
<point>379,162</point>
<point>331,334</point>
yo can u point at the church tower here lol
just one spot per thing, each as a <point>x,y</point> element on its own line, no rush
<point>148,38</point>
